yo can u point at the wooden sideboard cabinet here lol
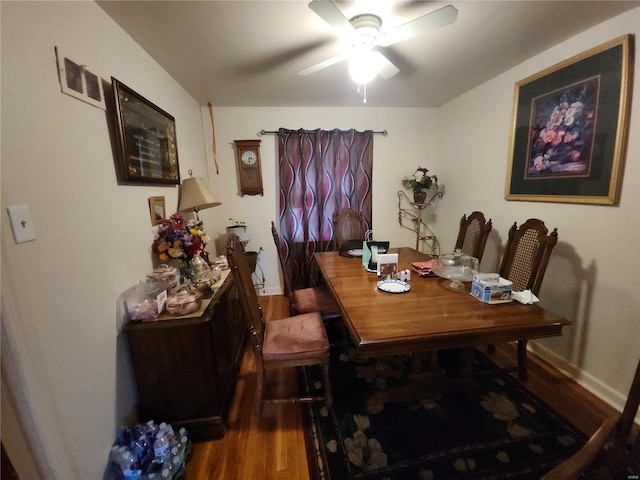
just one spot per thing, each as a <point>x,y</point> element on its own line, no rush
<point>186,367</point>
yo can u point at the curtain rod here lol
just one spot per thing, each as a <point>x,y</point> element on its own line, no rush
<point>266,132</point>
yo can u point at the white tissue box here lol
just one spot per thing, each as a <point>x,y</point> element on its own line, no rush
<point>487,277</point>
<point>487,290</point>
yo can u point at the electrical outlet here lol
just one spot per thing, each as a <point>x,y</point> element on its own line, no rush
<point>22,224</point>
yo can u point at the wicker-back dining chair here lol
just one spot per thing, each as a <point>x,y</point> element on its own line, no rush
<point>524,263</point>
<point>347,225</point>
<point>473,233</point>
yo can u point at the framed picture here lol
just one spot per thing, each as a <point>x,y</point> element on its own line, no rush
<point>146,138</point>
<point>570,128</point>
<point>157,210</point>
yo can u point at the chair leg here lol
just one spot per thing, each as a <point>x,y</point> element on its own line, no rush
<point>328,395</point>
<point>522,359</point>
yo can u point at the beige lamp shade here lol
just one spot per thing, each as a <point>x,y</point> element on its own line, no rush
<point>195,195</point>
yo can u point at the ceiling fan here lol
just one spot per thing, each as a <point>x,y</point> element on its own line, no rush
<point>367,37</point>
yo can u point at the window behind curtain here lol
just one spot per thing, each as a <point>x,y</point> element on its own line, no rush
<point>321,172</point>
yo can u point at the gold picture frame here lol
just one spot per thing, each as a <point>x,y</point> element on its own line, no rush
<point>570,128</point>
<point>157,210</point>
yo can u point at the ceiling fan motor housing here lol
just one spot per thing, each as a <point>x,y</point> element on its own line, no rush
<point>367,28</point>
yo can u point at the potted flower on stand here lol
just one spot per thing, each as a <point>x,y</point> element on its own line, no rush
<point>419,182</point>
<point>240,229</point>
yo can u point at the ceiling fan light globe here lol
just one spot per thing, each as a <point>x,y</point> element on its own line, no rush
<point>363,68</point>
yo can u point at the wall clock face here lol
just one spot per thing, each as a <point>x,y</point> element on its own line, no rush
<point>249,170</point>
<point>249,157</point>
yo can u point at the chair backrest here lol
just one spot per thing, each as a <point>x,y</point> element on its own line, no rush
<point>473,234</point>
<point>526,255</point>
<point>629,413</point>
<point>288,288</point>
<point>347,225</point>
<point>609,453</point>
<point>249,304</point>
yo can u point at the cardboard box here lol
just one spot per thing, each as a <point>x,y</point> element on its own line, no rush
<point>491,291</point>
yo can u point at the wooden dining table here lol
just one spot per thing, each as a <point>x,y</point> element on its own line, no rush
<point>431,316</point>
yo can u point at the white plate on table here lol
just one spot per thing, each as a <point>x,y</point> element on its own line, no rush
<point>394,286</point>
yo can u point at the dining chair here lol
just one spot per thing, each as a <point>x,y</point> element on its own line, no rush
<point>524,263</point>
<point>296,341</point>
<point>304,300</point>
<point>347,225</point>
<point>611,451</point>
<point>473,233</point>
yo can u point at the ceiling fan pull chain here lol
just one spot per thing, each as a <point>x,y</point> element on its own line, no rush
<point>363,91</point>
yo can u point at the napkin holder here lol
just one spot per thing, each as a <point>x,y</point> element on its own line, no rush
<point>370,251</point>
<point>387,264</point>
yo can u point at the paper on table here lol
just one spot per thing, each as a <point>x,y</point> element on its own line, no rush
<point>525,297</point>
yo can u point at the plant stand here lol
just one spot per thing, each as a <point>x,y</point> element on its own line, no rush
<point>412,221</point>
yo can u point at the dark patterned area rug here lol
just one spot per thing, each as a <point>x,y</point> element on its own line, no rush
<point>496,430</point>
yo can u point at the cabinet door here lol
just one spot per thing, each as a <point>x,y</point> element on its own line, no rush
<point>228,333</point>
<point>175,372</point>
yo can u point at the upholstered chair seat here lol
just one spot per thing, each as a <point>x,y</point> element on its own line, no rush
<point>295,338</point>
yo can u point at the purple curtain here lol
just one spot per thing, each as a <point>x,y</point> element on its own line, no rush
<point>321,172</point>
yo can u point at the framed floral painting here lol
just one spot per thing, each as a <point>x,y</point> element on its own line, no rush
<point>570,128</point>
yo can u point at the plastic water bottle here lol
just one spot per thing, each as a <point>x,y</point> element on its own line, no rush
<point>184,444</point>
<point>121,459</point>
<point>161,446</point>
<point>177,459</point>
<point>132,474</point>
<point>166,430</point>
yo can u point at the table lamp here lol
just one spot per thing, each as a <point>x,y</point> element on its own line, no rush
<point>195,196</point>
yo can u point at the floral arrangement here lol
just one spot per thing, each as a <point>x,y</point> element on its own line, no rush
<point>562,133</point>
<point>179,240</point>
<point>419,180</point>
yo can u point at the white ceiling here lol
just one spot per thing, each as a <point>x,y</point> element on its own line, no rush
<point>248,53</point>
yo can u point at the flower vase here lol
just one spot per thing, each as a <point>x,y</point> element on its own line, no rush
<point>419,197</point>
<point>187,272</point>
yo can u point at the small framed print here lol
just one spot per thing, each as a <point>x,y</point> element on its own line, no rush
<point>570,128</point>
<point>157,210</point>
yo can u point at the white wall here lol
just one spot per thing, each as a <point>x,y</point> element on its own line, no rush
<point>395,155</point>
<point>59,292</point>
<point>594,273</point>
<point>67,362</point>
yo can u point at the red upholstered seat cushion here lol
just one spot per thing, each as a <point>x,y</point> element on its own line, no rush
<point>316,299</point>
<point>295,337</point>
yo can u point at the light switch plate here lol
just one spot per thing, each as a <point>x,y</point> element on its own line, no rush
<point>22,224</point>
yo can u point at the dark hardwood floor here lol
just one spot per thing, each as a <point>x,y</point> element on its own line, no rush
<point>271,446</point>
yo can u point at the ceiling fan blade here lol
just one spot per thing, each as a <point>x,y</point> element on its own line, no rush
<point>330,13</point>
<point>436,19</point>
<point>327,63</point>
<point>386,69</point>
